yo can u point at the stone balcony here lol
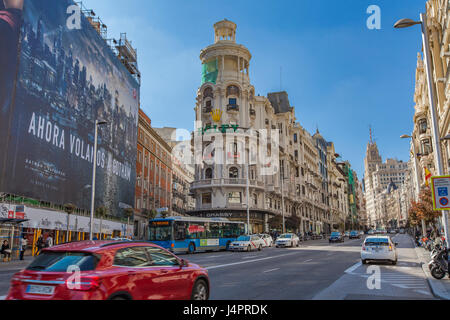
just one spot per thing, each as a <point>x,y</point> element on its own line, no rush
<point>209,183</point>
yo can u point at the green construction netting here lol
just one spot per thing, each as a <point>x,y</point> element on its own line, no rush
<point>210,71</point>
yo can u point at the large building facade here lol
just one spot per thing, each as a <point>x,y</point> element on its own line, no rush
<point>387,185</point>
<point>291,179</point>
<point>153,190</point>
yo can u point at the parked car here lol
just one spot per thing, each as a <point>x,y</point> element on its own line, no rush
<point>247,243</point>
<point>379,248</point>
<point>268,241</point>
<point>361,233</point>
<point>354,235</point>
<point>347,234</point>
<point>287,240</point>
<point>392,231</point>
<point>109,270</point>
<point>336,237</point>
<point>371,232</point>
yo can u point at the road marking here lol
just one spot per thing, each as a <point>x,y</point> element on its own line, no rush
<point>249,261</point>
<point>271,270</point>
<point>353,268</point>
<point>423,292</point>
<point>308,260</point>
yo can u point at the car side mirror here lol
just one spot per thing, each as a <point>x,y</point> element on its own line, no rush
<point>183,263</point>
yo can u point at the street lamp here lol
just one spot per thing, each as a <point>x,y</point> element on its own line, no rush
<point>405,136</point>
<point>94,167</point>
<point>404,23</point>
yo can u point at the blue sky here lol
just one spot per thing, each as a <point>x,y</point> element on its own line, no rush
<point>340,76</point>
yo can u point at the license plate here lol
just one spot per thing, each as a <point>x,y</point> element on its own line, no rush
<point>45,290</point>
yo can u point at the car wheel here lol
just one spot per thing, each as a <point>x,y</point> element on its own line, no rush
<point>260,248</point>
<point>191,248</point>
<point>394,262</point>
<point>200,291</point>
<point>437,273</point>
<point>277,246</point>
<point>298,244</point>
<point>364,261</point>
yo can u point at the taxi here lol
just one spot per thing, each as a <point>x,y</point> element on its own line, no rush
<point>247,243</point>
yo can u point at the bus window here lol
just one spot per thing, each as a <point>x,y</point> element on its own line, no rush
<point>197,230</point>
<point>180,230</point>
<point>160,232</point>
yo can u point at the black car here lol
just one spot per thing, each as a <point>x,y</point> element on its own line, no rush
<point>354,235</point>
<point>336,237</point>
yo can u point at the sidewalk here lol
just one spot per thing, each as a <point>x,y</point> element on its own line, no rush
<point>15,264</point>
<point>440,288</point>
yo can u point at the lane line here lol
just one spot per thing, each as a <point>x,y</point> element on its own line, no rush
<point>353,268</point>
<point>307,260</point>
<point>249,261</point>
<point>423,292</point>
<point>271,270</point>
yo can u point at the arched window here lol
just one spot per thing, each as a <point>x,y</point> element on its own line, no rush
<point>234,173</point>
<point>233,91</point>
<point>208,173</point>
<point>208,93</point>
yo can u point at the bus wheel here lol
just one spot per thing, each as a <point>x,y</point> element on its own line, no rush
<point>191,248</point>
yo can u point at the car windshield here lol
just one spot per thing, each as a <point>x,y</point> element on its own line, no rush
<point>61,261</point>
<point>335,234</point>
<point>243,238</point>
<point>377,242</point>
<point>286,236</point>
<point>354,232</point>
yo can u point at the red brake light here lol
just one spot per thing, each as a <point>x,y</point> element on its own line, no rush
<point>364,248</point>
<point>85,284</point>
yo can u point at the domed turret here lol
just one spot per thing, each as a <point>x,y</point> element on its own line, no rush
<point>225,31</point>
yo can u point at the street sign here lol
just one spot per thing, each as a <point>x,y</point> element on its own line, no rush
<point>440,189</point>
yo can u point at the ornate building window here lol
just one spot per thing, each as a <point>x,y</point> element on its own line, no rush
<point>427,148</point>
<point>235,197</point>
<point>233,94</point>
<point>208,173</point>
<point>206,198</point>
<point>423,126</point>
<point>208,93</point>
<point>234,173</point>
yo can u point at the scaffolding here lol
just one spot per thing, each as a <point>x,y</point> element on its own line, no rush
<point>121,48</point>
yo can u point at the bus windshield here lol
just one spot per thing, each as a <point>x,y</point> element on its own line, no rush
<point>160,232</point>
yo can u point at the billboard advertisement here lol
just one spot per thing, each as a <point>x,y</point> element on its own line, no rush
<point>67,78</point>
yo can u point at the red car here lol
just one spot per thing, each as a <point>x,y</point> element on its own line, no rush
<point>109,270</point>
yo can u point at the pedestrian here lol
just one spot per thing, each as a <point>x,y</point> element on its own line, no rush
<point>6,251</point>
<point>40,244</point>
<point>49,241</point>
<point>23,246</point>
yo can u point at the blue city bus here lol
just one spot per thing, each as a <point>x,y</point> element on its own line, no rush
<point>191,234</point>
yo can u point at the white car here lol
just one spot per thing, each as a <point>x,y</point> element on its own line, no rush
<point>379,248</point>
<point>287,240</point>
<point>247,243</point>
<point>267,239</point>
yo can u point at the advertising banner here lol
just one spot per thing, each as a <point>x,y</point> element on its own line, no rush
<point>67,78</point>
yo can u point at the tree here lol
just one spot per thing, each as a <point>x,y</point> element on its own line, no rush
<point>69,208</point>
<point>101,212</point>
<point>292,223</point>
<point>423,209</point>
<point>276,222</point>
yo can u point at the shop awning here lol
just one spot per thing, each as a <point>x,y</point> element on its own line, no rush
<point>12,221</point>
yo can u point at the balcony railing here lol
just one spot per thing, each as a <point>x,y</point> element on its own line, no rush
<point>232,107</point>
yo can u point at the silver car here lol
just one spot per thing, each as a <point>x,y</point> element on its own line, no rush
<point>379,248</point>
<point>287,240</point>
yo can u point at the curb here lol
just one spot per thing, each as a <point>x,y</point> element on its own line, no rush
<point>436,286</point>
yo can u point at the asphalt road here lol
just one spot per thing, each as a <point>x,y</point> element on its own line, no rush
<point>315,270</point>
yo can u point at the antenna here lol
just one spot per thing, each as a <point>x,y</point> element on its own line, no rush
<point>371,134</point>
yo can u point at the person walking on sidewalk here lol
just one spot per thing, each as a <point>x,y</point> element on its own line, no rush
<point>40,244</point>
<point>6,251</point>
<point>23,246</point>
<point>49,241</point>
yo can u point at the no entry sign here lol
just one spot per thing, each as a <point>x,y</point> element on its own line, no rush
<point>440,188</point>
